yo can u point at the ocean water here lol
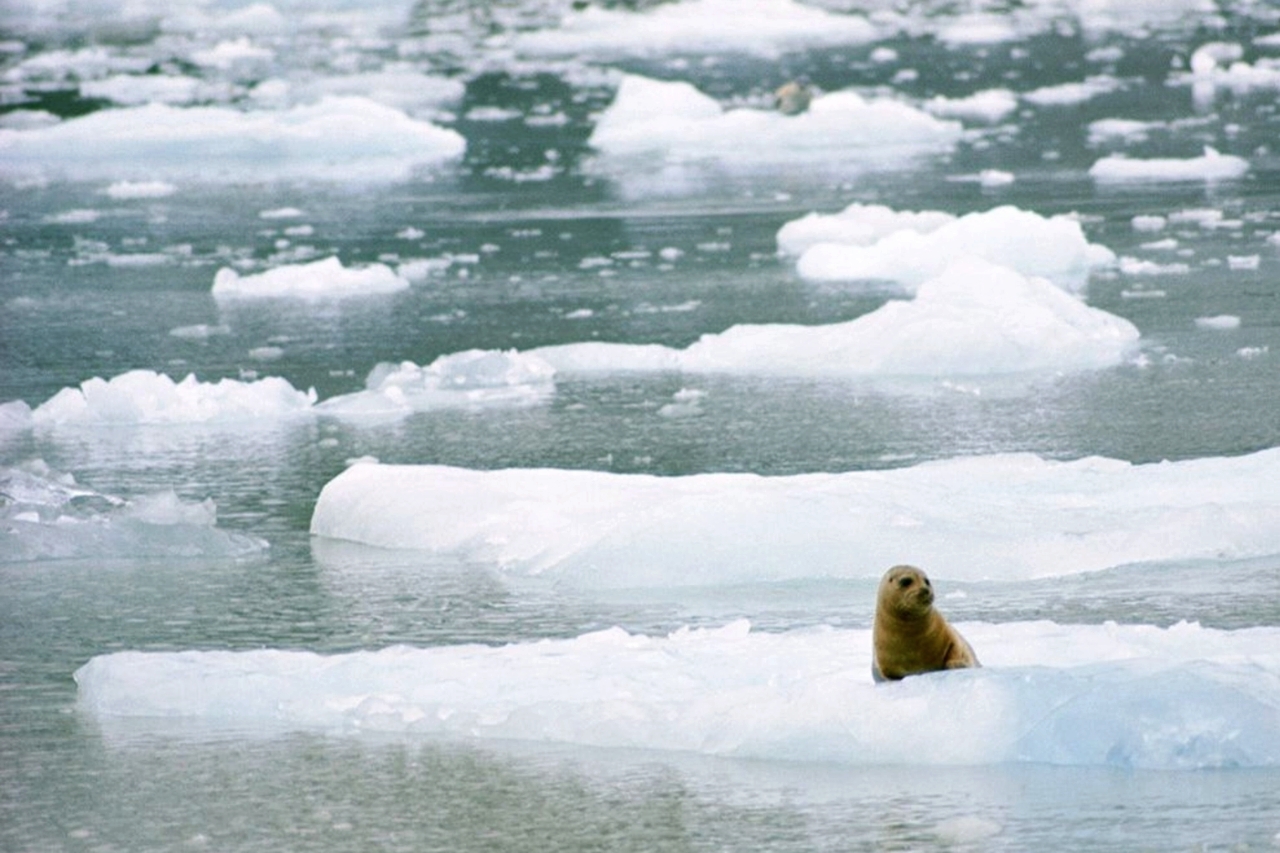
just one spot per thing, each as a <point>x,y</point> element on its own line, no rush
<point>607,597</point>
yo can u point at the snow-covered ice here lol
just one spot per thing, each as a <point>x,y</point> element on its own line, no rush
<point>677,123</point>
<point>1002,516</point>
<point>326,279</point>
<point>1128,696</point>
<point>335,140</point>
<point>1210,166</point>
<point>870,242</point>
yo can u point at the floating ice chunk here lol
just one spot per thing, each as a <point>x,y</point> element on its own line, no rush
<point>1221,322</point>
<point>227,54</point>
<point>1148,223</point>
<point>1108,129</point>
<point>137,89</point>
<point>990,105</point>
<point>327,279</point>
<point>1138,266</point>
<point>474,378</point>
<point>1243,262</point>
<point>1008,516</point>
<point>1210,166</point>
<point>146,397</point>
<point>995,178</point>
<point>125,190</point>
<point>1127,696</point>
<point>857,225</point>
<point>397,85</point>
<point>1054,248</point>
<point>973,319</point>
<point>44,515</point>
<point>680,124</point>
<point>764,27</point>
<point>338,139</point>
<point>1065,94</point>
<point>1218,64</point>
<point>977,29</point>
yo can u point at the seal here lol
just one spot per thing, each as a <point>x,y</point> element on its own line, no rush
<point>909,635</point>
<point>792,98</point>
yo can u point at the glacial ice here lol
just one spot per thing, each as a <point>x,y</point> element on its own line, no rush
<point>1210,166</point>
<point>974,318</point>
<point>995,517</point>
<point>45,515</point>
<point>676,122</point>
<point>326,279</point>
<point>764,28</point>
<point>872,242</point>
<point>1129,696</point>
<point>336,140</point>
<point>469,379</point>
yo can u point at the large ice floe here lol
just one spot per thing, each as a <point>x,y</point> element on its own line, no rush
<point>676,123</point>
<point>146,397</point>
<point>1212,165</point>
<point>997,517</point>
<point>46,515</point>
<point>874,242</point>
<point>763,27</point>
<point>337,139</point>
<point>322,280</point>
<point>1128,696</point>
<point>469,379</point>
<point>975,318</point>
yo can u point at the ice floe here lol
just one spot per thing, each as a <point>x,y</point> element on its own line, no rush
<point>336,140</point>
<point>1210,166</point>
<point>975,318</point>
<point>871,242</point>
<point>326,279</point>
<point>676,123</point>
<point>1127,696</point>
<point>147,397</point>
<point>763,27</point>
<point>470,379</point>
<point>45,515</point>
<point>1003,517</point>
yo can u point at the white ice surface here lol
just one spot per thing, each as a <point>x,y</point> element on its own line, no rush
<point>469,379</point>
<point>337,139</point>
<point>1210,166</point>
<point>974,319</point>
<point>323,280</point>
<point>147,397</point>
<point>1129,696</point>
<point>1006,516</point>
<point>873,243</point>
<point>762,27</point>
<point>676,123</point>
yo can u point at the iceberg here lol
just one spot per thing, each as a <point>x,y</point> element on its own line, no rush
<point>326,279</point>
<point>974,319</point>
<point>765,28</point>
<point>470,379</point>
<point>1210,166</point>
<point>676,122</point>
<point>874,243</point>
<point>1128,696</point>
<point>147,397</point>
<point>335,140</point>
<point>1008,516</point>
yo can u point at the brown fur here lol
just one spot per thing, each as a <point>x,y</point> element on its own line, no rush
<point>910,636</point>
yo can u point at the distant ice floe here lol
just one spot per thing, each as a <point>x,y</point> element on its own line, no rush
<point>975,318</point>
<point>1210,166</point>
<point>147,397</point>
<point>1009,516</point>
<point>45,515</point>
<point>337,140</point>
<point>676,123</point>
<point>319,280</point>
<point>1186,697</point>
<point>765,28</point>
<point>470,379</point>
<point>1220,65</point>
<point>876,243</point>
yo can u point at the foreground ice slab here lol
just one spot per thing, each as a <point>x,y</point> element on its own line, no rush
<point>45,515</point>
<point>974,319</point>
<point>1004,516</point>
<point>327,279</point>
<point>677,123</point>
<point>338,139</point>
<point>1131,696</point>
<point>877,243</point>
<point>762,27</point>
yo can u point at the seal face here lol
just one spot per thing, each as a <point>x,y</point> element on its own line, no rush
<point>910,636</point>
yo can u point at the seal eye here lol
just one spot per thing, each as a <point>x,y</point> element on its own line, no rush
<point>904,583</point>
